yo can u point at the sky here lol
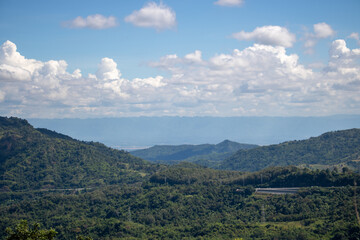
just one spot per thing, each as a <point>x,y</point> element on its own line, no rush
<point>111,58</point>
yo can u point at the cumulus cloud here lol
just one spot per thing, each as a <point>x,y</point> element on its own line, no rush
<point>342,58</point>
<point>321,31</point>
<point>236,67</point>
<point>96,21</point>
<point>28,84</point>
<point>258,80</point>
<point>194,57</point>
<point>152,15</point>
<point>108,70</point>
<point>341,79</point>
<point>268,35</point>
<point>229,3</point>
<point>355,36</point>
<point>265,80</point>
<point>10,60</point>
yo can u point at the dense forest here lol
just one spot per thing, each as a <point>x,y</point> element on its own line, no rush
<point>85,190</point>
<point>211,205</point>
<point>332,149</point>
<point>41,159</point>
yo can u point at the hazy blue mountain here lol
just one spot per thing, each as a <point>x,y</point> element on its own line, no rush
<point>329,149</point>
<point>149,131</point>
<point>204,154</point>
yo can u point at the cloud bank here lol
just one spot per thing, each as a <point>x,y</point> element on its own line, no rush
<point>256,81</point>
<point>152,15</point>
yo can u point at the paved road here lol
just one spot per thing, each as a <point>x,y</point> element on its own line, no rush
<point>292,190</point>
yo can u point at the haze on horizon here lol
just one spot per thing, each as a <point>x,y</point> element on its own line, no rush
<point>92,59</point>
<point>143,132</point>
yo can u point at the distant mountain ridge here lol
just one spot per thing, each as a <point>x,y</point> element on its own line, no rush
<point>33,158</point>
<point>331,148</point>
<point>204,154</point>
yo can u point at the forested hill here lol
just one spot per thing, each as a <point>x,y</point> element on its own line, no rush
<point>204,154</point>
<point>39,158</point>
<point>183,201</point>
<point>332,148</point>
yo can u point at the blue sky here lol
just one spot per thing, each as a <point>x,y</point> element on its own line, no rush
<point>179,58</point>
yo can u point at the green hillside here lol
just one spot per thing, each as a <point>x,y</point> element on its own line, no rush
<point>204,154</point>
<point>88,191</point>
<point>41,159</point>
<point>339,148</point>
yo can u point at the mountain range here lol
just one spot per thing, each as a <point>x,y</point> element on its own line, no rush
<point>335,149</point>
<point>38,158</point>
<point>85,190</point>
<point>209,155</point>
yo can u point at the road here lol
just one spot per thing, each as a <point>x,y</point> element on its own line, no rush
<point>291,190</point>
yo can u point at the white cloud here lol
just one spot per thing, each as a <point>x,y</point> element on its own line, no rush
<point>153,82</point>
<point>10,60</point>
<point>152,15</point>
<point>321,31</point>
<point>47,89</point>
<point>341,78</point>
<point>265,80</point>
<point>29,84</point>
<point>108,70</point>
<point>355,36</point>
<point>96,21</point>
<point>194,57</point>
<point>229,3</point>
<point>257,80</point>
<point>341,58</point>
<point>268,35</point>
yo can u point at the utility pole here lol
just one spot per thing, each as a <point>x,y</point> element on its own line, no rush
<point>129,215</point>
<point>355,203</point>
<point>263,220</point>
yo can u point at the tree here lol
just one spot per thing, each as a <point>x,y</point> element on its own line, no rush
<point>23,232</point>
<point>83,238</point>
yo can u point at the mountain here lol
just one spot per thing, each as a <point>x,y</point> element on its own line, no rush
<point>203,154</point>
<point>43,174</point>
<point>39,158</point>
<point>338,148</point>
